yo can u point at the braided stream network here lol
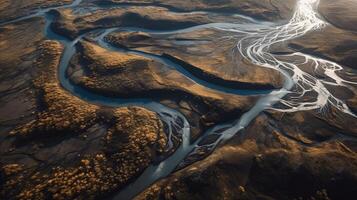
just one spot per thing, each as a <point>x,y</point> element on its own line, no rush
<point>254,44</point>
<point>303,90</point>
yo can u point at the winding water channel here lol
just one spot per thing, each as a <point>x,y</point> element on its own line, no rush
<point>255,44</point>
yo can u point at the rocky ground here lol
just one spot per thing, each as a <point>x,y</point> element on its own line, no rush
<point>54,145</point>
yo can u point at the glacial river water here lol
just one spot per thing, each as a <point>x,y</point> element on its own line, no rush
<point>254,43</point>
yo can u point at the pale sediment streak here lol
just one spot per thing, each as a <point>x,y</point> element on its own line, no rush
<point>257,40</point>
<point>302,90</point>
<point>255,47</point>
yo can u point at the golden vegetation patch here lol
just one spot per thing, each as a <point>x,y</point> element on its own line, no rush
<point>106,60</point>
<point>11,169</point>
<point>10,9</point>
<point>128,149</point>
<point>62,111</point>
<point>133,139</point>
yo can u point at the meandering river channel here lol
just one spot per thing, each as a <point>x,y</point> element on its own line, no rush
<point>256,39</point>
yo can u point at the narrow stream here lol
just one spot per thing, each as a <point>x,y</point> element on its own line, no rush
<point>167,62</point>
<point>254,46</point>
<point>41,12</point>
<point>169,116</point>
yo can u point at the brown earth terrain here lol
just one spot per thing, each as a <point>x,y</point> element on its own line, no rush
<point>144,17</point>
<point>285,156</point>
<point>59,145</point>
<point>10,9</point>
<point>206,54</point>
<point>116,74</point>
<point>270,163</point>
<point>337,45</point>
<point>54,145</point>
<point>265,9</point>
<point>340,13</point>
<point>312,158</point>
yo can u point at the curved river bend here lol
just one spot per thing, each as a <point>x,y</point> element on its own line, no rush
<point>256,39</point>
